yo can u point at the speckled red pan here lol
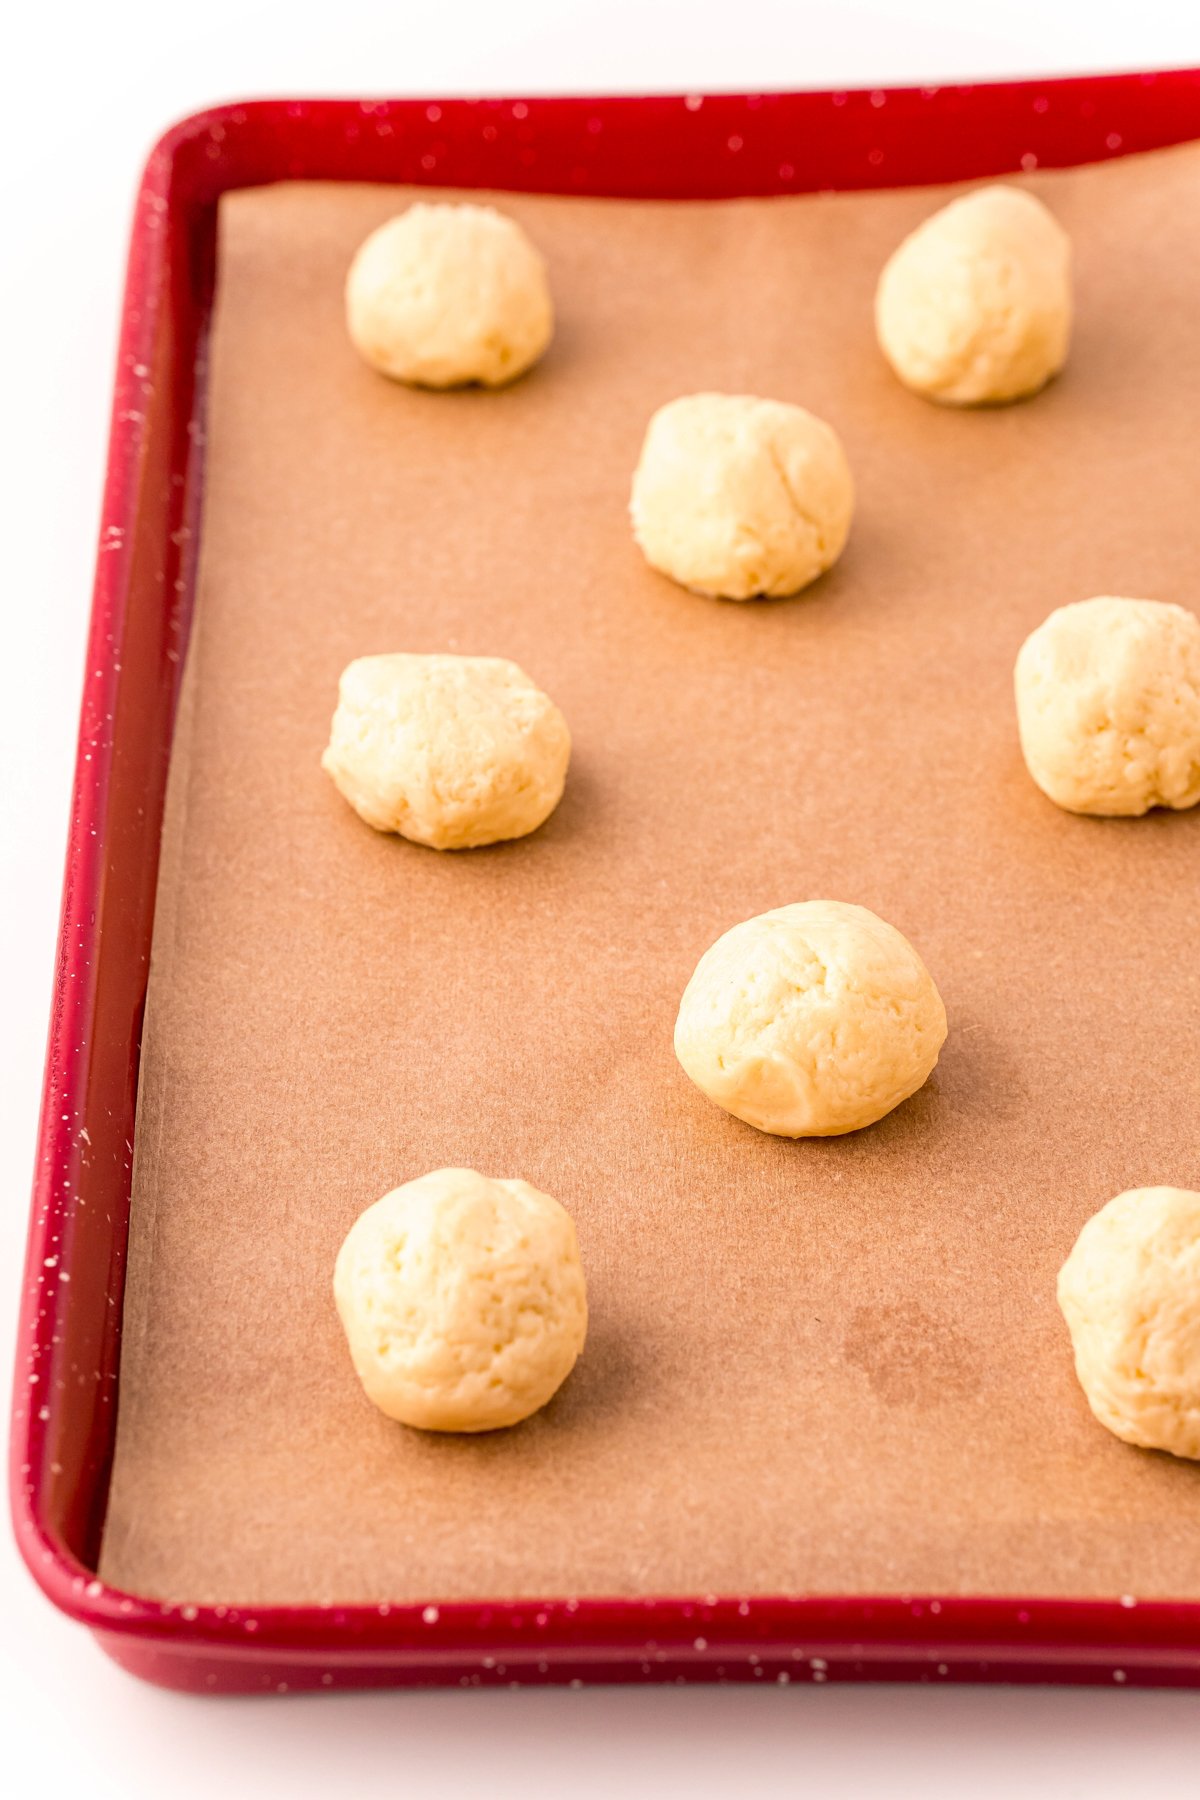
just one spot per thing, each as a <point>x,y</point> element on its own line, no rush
<point>68,1353</point>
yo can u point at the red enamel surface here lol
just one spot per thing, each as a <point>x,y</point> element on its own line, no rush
<point>64,1406</point>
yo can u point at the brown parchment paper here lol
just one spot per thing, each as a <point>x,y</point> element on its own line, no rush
<point>830,1365</point>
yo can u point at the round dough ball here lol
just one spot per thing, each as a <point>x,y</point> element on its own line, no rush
<point>734,496</point>
<point>1108,706</point>
<point>810,1020</point>
<point>1128,1292</point>
<point>451,751</point>
<point>975,305</point>
<point>443,295</point>
<point>462,1300</point>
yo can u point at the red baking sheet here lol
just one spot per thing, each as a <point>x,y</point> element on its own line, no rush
<point>67,1364</point>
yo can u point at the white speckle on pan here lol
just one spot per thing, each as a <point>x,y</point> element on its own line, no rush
<point>1118,1675</point>
<point>51,1262</point>
<point>700,1644</point>
<point>520,110</point>
<point>433,114</point>
<point>187,1612</point>
<point>1128,1600</point>
<point>839,98</point>
<point>383,1609</point>
<point>44,1414</point>
<point>878,97</point>
<point>576,1683</point>
<point>250,1625</point>
<point>1029,161</point>
<point>430,1615</point>
<point>783,1678</point>
<point>735,143</point>
<point>744,1608</point>
<point>943,1669</point>
<point>693,102</point>
<point>1114,140</point>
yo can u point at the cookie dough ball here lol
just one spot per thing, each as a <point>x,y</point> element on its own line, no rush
<point>735,496</point>
<point>1108,706</point>
<point>810,1020</point>
<point>1128,1292</point>
<point>451,751</point>
<point>462,1301</point>
<point>443,295</point>
<point>975,305</point>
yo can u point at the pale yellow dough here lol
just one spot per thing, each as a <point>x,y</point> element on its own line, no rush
<point>450,751</point>
<point>1108,706</point>
<point>463,1300</point>
<point>811,1020</point>
<point>735,496</point>
<point>442,295</point>
<point>975,305</point>
<point>1130,1293</point>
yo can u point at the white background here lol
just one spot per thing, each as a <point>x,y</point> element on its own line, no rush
<point>82,94</point>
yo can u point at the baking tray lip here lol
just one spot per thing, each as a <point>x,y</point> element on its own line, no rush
<point>187,170</point>
<point>1008,1631</point>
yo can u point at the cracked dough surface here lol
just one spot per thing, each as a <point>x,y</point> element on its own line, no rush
<point>811,1020</point>
<point>975,304</point>
<point>735,496</point>
<point>443,295</point>
<point>1128,1292</point>
<point>1108,706</point>
<point>450,751</point>
<point>462,1300</point>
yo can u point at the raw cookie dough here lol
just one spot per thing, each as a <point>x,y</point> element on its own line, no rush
<point>1130,1293</point>
<point>462,1300</point>
<point>1108,706</point>
<point>735,496</point>
<point>810,1020</point>
<point>975,305</point>
<point>451,751</point>
<point>442,295</point>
